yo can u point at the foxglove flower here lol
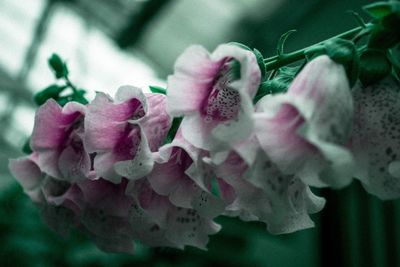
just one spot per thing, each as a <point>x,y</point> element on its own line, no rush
<point>376,137</point>
<point>124,132</point>
<point>158,222</point>
<point>261,192</point>
<point>105,214</point>
<point>305,130</point>
<point>180,174</point>
<point>214,93</point>
<point>57,140</point>
<point>58,200</point>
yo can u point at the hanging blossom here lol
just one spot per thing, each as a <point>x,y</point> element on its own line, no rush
<point>180,174</point>
<point>123,133</point>
<point>55,198</point>
<point>57,140</point>
<point>158,222</point>
<point>305,130</point>
<point>376,137</point>
<point>261,192</point>
<point>214,93</point>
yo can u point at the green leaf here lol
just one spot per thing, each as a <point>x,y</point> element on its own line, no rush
<point>176,122</point>
<point>374,66</point>
<point>382,37</point>
<point>58,66</point>
<point>344,52</point>
<point>380,10</point>
<point>157,90</point>
<point>260,62</point>
<point>282,41</point>
<point>52,91</point>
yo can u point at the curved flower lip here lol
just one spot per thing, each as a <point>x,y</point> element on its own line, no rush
<point>156,221</point>
<point>375,140</point>
<point>123,132</point>
<point>305,130</point>
<point>191,85</point>
<point>57,140</point>
<point>29,175</point>
<point>180,174</point>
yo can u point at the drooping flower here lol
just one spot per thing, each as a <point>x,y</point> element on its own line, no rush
<point>124,132</point>
<point>180,174</point>
<point>261,192</point>
<point>305,130</point>
<point>158,222</point>
<point>376,137</point>
<point>57,200</point>
<point>214,93</point>
<point>57,140</point>
<point>105,214</point>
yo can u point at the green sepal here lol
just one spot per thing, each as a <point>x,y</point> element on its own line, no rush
<point>279,84</point>
<point>157,90</point>
<point>52,91</point>
<point>58,66</point>
<point>344,52</point>
<point>380,10</point>
<point>26,148</point>
<point>260,62</point>
<point>382,37</point>
<point>374,66</point>
<point>76,97</point>
<point>176,122</point>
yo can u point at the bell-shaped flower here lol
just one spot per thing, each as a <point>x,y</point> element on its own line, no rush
<point>105,214</point>
<point>305,130</point>
<point>214,93</point>
<point>376,137</point>
<point>123,132</point>
<point>158,222</point>
<point>180,174</point>
<point>57,200</point>
<point>261,192</point>
<point>57,139</point>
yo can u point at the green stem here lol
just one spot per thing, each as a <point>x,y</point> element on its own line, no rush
<point>71,85</point>
<point>278,61</point>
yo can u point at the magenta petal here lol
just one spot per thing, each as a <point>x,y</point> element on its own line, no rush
<point>52,132</point>
<point>157,122</point>
<point>185,94</point>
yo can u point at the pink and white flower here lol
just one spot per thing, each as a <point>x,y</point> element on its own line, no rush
<point>376,137</point>
<point>262,193</point>
<point>180,174</point>
<point>57,141</point>
<point>58,200</point>
<point>123,133</point>
<point>214,93</point>
<point>157,222</point>
<point>304,131</point>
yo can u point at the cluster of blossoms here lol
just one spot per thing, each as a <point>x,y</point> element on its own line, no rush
<point>105,168</point>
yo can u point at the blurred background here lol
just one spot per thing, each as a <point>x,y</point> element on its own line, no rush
<point>111,43</point>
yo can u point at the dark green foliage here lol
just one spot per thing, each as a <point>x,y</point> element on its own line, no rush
<point>374,66</point>
<point>58,66</point>
<point>52,91</point>
<point>344,52</point>
<point>157,90</point>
